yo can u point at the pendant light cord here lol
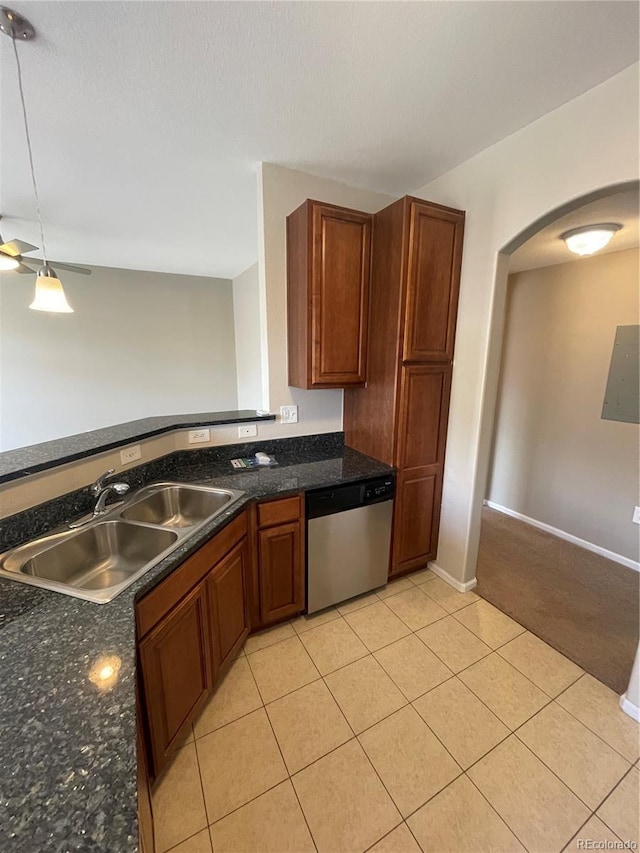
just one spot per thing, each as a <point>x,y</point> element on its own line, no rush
<point>26,131</point>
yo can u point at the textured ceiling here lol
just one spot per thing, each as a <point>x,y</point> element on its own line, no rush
<point>149,118</point>
<point>546,248</point>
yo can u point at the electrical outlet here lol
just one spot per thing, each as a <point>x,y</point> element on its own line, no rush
<point>199,436</point>
<point>247,430</point>
<point>130,454</point>
<point>636,515</point>
<point>289,414</point>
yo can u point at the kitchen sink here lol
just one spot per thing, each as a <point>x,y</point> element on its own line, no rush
<point>100,559</point>
<point>176,506</point>
<point>100,556</point>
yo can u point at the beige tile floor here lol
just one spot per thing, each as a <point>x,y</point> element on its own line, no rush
<point>413,718</point>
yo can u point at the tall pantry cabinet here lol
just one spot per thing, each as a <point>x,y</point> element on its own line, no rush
<point>400,416</point>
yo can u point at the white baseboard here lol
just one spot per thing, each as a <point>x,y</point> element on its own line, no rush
<point>456,584</point>
<point>629,708</point>
<point>569,537</point>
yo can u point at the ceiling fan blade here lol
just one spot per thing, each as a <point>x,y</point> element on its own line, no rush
<point>23,268</point>
<point>16,247</point>
<point>59,265</point>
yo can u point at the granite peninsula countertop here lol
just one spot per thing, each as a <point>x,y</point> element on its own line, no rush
<point>68,749</point>
<point>24,461</point>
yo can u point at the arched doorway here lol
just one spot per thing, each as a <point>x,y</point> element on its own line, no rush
<point>539,490</point>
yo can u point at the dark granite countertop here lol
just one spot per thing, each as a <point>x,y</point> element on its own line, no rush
<point>68,749</point>
<point>38,457</point>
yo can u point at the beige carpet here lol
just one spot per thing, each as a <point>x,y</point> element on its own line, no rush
<point>585,606</point>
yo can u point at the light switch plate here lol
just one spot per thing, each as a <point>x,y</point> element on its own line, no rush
<point>199,436</point>
<point>636,515</point>
<point>289,414</point>
<point>130,454</point>
<point>247,430</point>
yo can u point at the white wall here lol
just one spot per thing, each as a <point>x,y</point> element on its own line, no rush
<point>588,143</point>
<point>138,344</point>
<point>554,459</point>
<point>281,192</point>
<point>246,316</point>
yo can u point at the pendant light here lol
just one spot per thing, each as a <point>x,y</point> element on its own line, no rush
<point>589,239</point>
<point>49,295</point>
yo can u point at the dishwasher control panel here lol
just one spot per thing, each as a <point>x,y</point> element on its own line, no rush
<point>349,496</point>
<point>378,490</point>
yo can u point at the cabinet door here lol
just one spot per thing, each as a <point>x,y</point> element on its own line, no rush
<point>416,519</point>
<point>340,260</point>
<point>175,662</point>
<point>433,280</point>
<point>227,590</point>
<point>281,554</point>
<point>422,426</point>
<point>422,417</point>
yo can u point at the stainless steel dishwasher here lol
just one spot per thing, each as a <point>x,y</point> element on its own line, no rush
<point>348,540</point>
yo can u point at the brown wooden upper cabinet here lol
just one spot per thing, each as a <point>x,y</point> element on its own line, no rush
<point>328,263</point>
<point>435,254</point>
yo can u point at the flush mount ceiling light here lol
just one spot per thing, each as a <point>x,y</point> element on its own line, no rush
<point>589,238</point>
<point>49,295</point>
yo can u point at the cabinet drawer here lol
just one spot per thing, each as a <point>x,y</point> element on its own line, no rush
<point>162,598</point>
<point>279,512</point>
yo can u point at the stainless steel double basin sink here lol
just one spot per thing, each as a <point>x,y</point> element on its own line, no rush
<point>99,560</point>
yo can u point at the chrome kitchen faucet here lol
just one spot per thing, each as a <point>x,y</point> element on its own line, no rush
<point>101,490</point>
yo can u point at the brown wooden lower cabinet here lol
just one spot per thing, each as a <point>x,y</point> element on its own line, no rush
<point>415,522</point>
<point>226,586</point>
<point>281,555</point>
<point>176,669</point>
<point>192,624</point>
<point>189,627</point>
<point>277,587</point>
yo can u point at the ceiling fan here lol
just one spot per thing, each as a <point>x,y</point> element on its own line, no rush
<point>11,258</point>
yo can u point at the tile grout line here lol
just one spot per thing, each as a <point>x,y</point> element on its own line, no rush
<point>424,642</point>
<point>270,788</point>
<point>240,717</point>
<point>204,798</point>
<point>595,734</point>
<point>586,725</point>
<point>188,838</point>
<point>531,631</point>
<point>193,835</point>
<point>408,702</point>
<point>356,737</point>
<point>411,701</point>
<point>290,779</point>
<point>511,731</point>
<point>553,772</point>
<point>617,785</point>
<point>574,836</point>
<point>435,686</point>
<point>492,807</point>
